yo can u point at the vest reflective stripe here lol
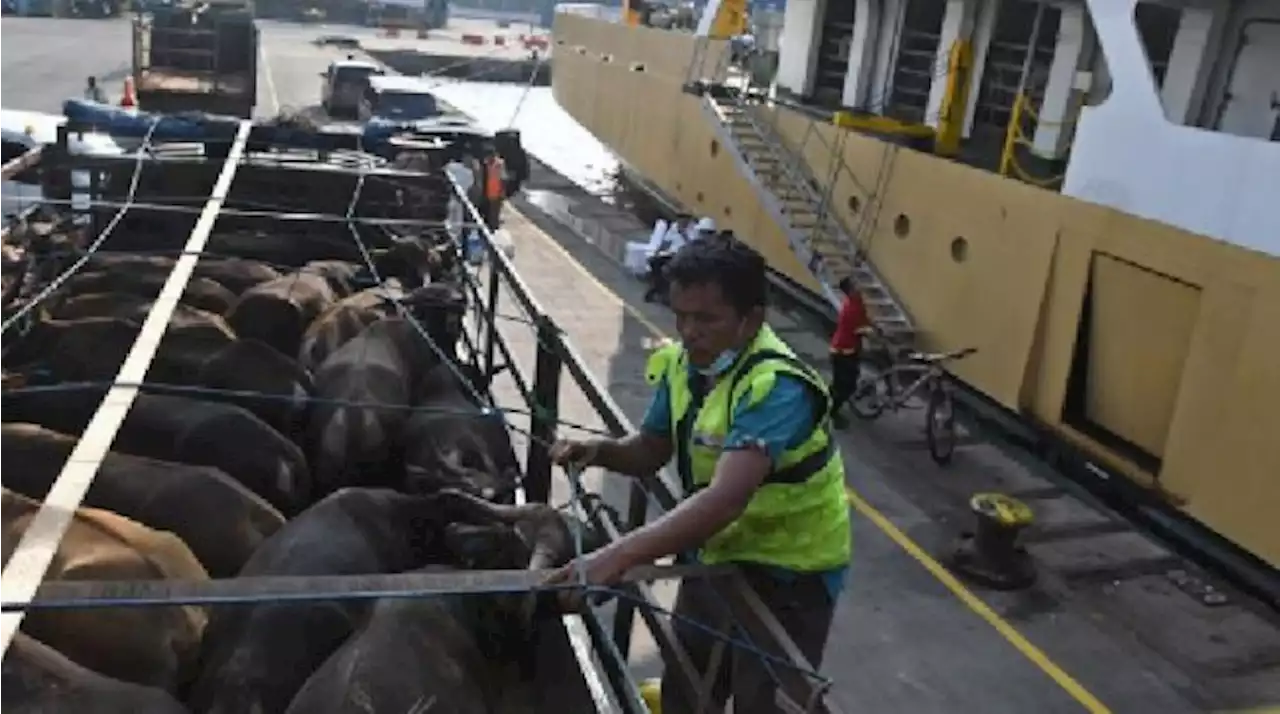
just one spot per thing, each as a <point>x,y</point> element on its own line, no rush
<point>799,518</point>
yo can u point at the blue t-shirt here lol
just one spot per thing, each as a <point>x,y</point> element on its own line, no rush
<point>782,421</point>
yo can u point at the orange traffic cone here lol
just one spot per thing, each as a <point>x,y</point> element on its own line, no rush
<point>129,99</point>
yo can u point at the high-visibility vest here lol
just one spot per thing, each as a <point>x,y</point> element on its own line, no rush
<point>799,518</point>
<point>493,188</point>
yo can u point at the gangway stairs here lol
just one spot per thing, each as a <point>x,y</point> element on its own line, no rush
<point>784,185</point>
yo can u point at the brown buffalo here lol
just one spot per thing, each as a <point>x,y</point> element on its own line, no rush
<point>344,321</point>
<point>201,293</point>
<point>278,311</point>
<point>234,274</point>
<point>155,646</point>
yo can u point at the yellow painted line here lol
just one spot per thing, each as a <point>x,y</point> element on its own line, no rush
<point>1010,633</point>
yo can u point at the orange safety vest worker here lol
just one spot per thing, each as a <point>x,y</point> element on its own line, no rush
<point>493,189</point>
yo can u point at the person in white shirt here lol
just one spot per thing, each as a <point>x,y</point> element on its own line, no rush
<point>676,236</point>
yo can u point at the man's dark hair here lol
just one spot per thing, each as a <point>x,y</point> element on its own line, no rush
<point>726,261</point>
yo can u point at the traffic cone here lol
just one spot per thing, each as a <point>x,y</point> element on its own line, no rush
<point>129,99</point>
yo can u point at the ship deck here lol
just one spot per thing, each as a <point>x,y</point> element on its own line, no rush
<point>1093,634</point>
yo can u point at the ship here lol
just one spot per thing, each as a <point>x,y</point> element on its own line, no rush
<point>1084,190</point>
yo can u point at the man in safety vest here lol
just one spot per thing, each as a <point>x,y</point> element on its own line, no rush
<point>747,424</point>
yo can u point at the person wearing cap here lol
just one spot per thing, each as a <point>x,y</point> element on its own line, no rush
<point>706,227</point>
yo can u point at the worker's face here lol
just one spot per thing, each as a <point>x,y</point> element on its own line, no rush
<point>708,323</point>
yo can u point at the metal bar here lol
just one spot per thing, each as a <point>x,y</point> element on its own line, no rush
<point>265,214</point>
<point>805,694</point>
<point>493,287</point>
<point>77,594</point>
<point>35,552</point>
<point>624,616</point>
<point>615,666</point>
<point>546,409</point>
<point>22,163</point>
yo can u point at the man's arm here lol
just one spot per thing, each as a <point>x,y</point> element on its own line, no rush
<point>761,433</point>
<point>649,450</point>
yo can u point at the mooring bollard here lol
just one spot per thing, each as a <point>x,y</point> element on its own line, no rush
<point>991,555</point>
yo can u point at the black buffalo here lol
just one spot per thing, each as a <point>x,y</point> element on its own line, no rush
<point>220,520</point>
<point>364,389</point>
<point>256,657</point>
<point>185,430</point>
<point>38,679</point>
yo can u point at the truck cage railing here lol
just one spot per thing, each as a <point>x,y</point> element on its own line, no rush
<point>601,639</point>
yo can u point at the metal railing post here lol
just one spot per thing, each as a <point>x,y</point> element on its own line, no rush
<point>624,614</point>
<point>546,409</point>
<point>492,333</point>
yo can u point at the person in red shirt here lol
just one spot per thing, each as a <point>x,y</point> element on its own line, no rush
<point>846,343</point>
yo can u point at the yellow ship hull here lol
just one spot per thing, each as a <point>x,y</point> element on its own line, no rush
<point>1154,350</point>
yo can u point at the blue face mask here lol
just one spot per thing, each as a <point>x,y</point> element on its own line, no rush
<point>720,364</point>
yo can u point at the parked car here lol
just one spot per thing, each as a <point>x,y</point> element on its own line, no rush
<point>398,98</point>
<point>344,83</point>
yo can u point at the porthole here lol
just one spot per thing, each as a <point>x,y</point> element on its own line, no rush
<point>901,225</point>
<point>715,148</point>
<point>699,197</point>
<point>959,249</point>
<point>727,211</point>
<point>854,204</point>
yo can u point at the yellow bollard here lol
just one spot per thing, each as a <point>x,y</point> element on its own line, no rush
<point>651,691</point>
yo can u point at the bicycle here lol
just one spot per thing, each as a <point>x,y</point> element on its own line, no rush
<point>884,391</point>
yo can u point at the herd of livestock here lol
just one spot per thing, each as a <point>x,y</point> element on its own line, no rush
<point>303,416</point>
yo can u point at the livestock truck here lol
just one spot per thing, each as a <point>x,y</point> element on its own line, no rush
<point>197,57</point>
<point>218,444</point>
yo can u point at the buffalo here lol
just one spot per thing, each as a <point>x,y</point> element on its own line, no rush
<point>163,495</point>
<point>366,389</point>
<point>306,414</point>
<point>154,646</point>
<point>278,311</point>
<point>449,443</point>
<point>185,430</point>
<point>344,321</point>
<point>257,656</point>
<point>444,652</point>
<point>39,679</point>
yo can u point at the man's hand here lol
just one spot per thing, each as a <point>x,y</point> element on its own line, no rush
<point>602,568</point>
<point>566,452</point>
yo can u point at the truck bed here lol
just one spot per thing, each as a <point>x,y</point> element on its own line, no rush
<point>161,80</point>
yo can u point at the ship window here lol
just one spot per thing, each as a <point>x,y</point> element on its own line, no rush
<point>959,249</point>
<point>699,197</point>
<point>727,211</point>
<point>715,148</point>
<point>606,58</point>
<point>854,204</point>
<point>902,225</point>
<point>637,67</point>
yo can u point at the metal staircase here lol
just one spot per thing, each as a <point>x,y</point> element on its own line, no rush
<point>785,187</point>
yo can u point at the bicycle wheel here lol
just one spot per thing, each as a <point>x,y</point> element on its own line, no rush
<point>940,425</point>
<point>870,398</point>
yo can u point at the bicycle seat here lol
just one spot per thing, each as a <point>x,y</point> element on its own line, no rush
<point>937,357</point>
